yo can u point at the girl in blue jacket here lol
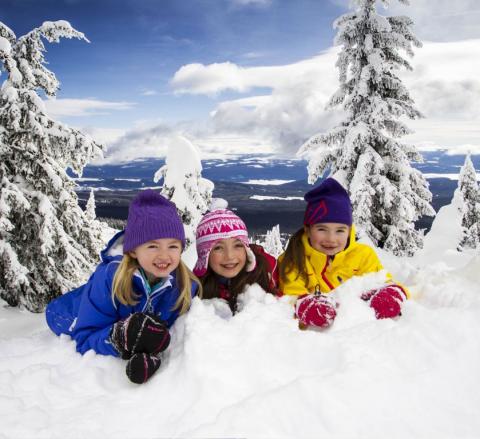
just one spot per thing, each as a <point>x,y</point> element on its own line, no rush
<point>135,294</point>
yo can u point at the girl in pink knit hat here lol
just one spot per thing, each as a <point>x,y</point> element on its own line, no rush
<point>227,262</point>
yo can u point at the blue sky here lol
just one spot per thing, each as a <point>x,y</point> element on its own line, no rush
<point>137,45</point>
<point>236,75</point>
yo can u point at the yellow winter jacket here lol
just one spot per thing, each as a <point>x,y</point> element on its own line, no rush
<point>357,259</point>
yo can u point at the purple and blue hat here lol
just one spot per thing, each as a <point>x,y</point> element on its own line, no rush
<point>328,203</point>
<point>151,216</point>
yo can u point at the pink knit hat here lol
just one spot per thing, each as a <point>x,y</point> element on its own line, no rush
<point>217,225</point>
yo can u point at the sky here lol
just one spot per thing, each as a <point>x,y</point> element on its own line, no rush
<point>240,76</point>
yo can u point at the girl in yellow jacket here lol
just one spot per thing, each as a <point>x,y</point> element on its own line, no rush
<point>324,253</point>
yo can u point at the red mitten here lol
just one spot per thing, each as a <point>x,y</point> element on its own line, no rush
<point>315,310</point>
<point>386,300</point>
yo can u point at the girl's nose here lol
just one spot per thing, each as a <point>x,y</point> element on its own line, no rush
<point>229,254</point>
<point>330,237</point>
<point>160,253</point>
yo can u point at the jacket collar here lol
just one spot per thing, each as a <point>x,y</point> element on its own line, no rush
<point>150,290</point>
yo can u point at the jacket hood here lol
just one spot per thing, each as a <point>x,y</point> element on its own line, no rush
<point>114,249</point>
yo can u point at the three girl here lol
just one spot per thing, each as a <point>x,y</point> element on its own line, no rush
<point>135,294</point>
<point>141,286</point>
<point>324,253</point>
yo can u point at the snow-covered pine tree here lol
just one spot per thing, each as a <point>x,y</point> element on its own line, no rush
<point>95,226</point>
<point>183,184</point>
<point>46,246</point>
<point>469,190</point>
<point>90,207</point>
<point>273,242</point>
<point>387,194</point>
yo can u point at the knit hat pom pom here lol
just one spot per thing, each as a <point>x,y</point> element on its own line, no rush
<point>217,204</point>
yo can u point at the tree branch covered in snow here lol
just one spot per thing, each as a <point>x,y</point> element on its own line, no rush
<point>387,194</point>
<point>470,194</point>
<point>183,184</point>
<point>46,244</point>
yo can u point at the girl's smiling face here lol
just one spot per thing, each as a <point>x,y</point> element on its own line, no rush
<point>227,257</point>
<point>158,257</point>
<point>328,238</point>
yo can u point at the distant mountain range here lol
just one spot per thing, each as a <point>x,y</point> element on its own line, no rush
<point>264,191</point>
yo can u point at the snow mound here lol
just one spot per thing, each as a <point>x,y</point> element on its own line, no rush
<point>256,374</point>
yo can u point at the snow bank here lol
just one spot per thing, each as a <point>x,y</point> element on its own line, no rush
<point>272,182</point>
<point>257,375</point>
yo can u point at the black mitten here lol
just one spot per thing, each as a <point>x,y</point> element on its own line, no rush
<point>140,333</point>
<point>141,367</point>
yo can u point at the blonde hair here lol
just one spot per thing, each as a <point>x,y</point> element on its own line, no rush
<point>123,279</point>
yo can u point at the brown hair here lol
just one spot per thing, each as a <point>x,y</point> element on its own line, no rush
<point>260,275</point>
<point>123,279</point>
<point>294,258</point>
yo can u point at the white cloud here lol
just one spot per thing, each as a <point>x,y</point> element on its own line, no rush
<point>464,149</point>
<point>442,20</point>
<point>444,84</point>
<point>291,107</point>
<point>149,93</point>
<point>83,107</point>
<point>200,79</point>
<point>460,149</point>
<point>251,2</point>
<point>105,136</point>
<point>438,20</point>
<point>215,78</point>
<point>146,139</point>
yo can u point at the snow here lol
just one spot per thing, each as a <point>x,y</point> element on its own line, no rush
<point>5,46</point>
<point>257,375</point>
<point>429,176</point>
<point>265,197</point>
<point>267,182</point>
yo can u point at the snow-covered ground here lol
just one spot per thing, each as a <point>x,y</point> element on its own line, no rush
<point>266,197</point>
<point>274,182</point>
<point>256,375</point>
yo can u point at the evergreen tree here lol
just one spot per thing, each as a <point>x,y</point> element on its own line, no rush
<point>468,187</point>
<point>387,194</point>
<point>273,243</point>
<point>94,225</point>
<point>183,184</point>
<point>90,208</point>
<point>46,247</point>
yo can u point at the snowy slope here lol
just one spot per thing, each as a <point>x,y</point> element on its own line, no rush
<point>257,375</point>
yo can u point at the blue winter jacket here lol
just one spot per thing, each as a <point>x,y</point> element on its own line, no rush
<point>88,313</point>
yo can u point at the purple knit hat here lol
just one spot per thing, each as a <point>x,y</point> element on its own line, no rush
<point>215,226</point>
<point>328,203</point>
<point>151,216</point>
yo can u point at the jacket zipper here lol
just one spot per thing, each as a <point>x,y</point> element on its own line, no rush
<point>324,277</point>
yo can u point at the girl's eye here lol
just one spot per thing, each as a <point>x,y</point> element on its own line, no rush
<point>216,249</point>
<point>174,246</point>
<point>152,246</point>
<point>239,245</point>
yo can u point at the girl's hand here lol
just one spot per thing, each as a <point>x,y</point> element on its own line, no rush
<point>140,333</point>
<point>316,310</point>
<point>386,301</point>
